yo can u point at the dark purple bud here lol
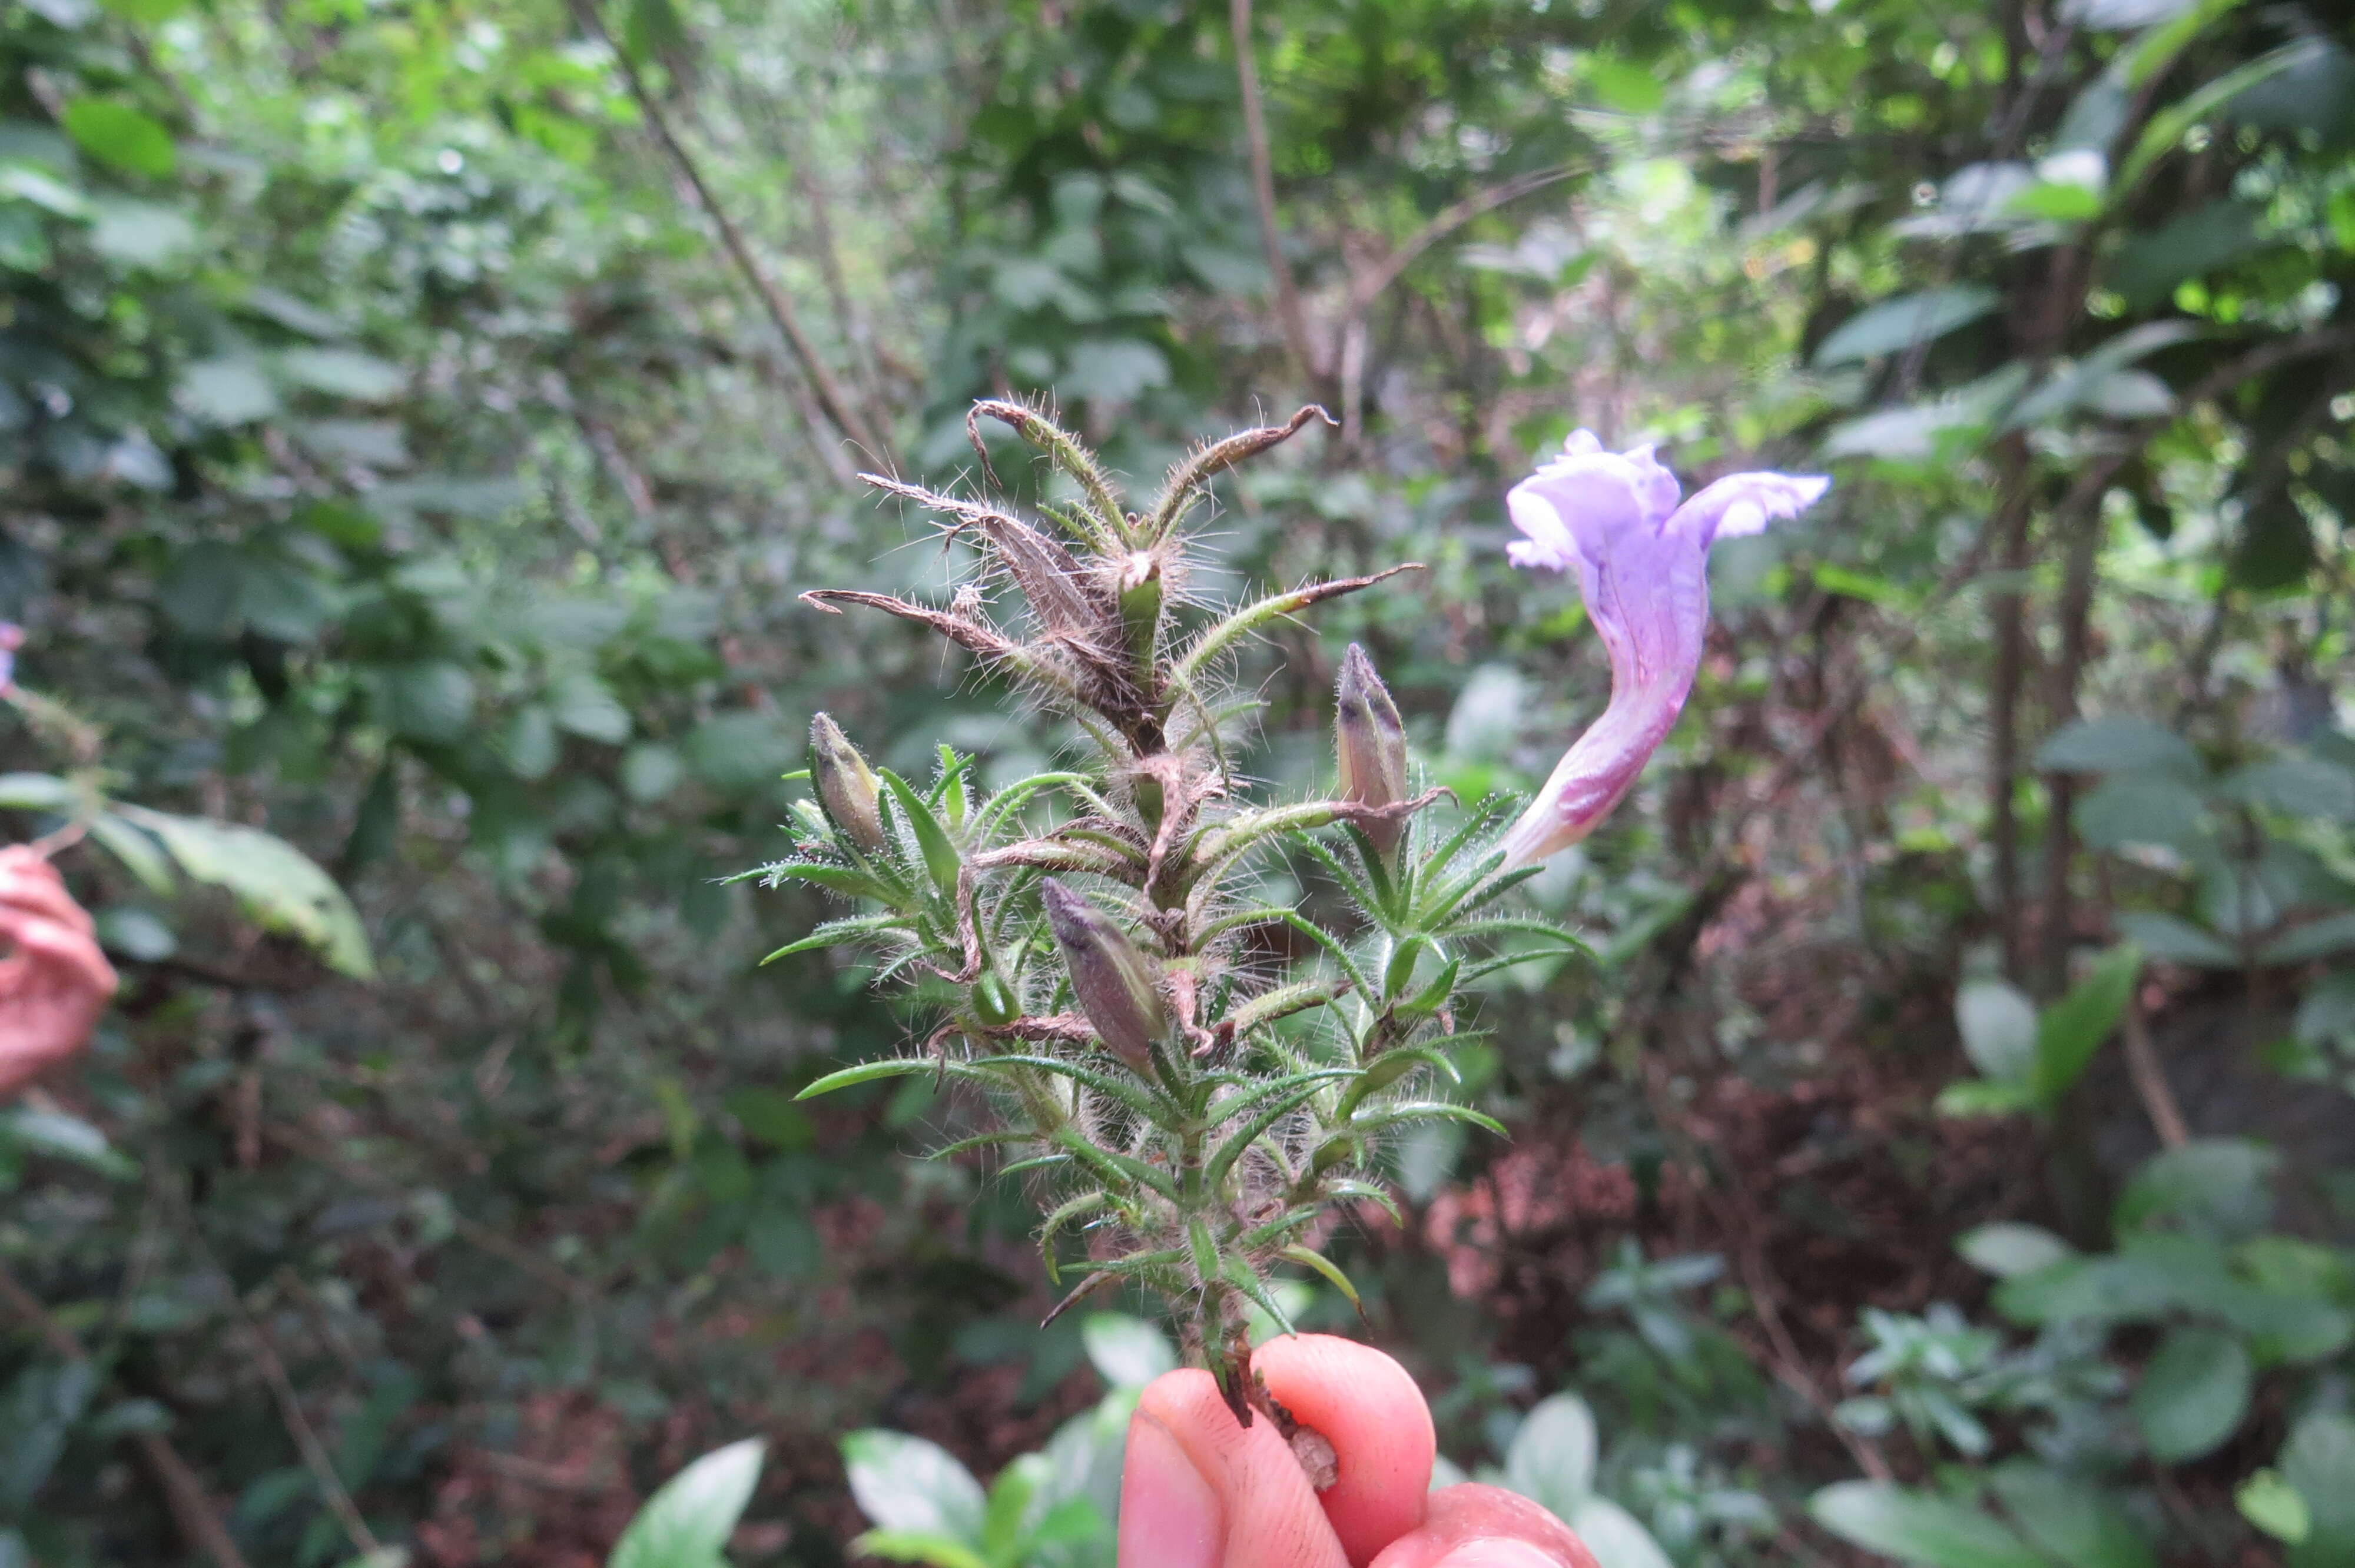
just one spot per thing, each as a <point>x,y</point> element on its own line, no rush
<point>1370,743</point>
<point>1114,982</point>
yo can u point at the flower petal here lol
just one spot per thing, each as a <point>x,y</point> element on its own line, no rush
<point>1746,502</point>
<point>1643,571</point>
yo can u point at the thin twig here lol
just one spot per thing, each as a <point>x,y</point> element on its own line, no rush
<point>2151,1083</point>
<point>1263,166</point>
<point>831,397</point>
<point>306,1441</point>
<point>184,1494</point>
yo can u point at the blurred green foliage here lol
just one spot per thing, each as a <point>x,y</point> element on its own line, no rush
<point>392,460</point>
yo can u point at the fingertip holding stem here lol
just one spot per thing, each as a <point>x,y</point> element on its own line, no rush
<point>1498,1553</point>
<point>1170,1514</point>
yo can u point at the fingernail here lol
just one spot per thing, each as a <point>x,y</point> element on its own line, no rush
<point>1169,1517</point>
<point>1498,1554</point>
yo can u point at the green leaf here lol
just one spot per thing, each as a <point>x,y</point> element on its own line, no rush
<point>142,233</point>
<point>227,390</point>
<point>2172,940</point>
<point>2075,1523</point>
<point>1901,323</point>
<point>341,373</point>
<point>2119,745</point>
<point>37,792</point>
<point>585,705</point>
<point>277,885</point>
<point>1918,1527</point>
<point>1615,1536</point>
<point>868,1073</point>
<point>2316,1461</point>
<point>2132,808</point>
<point>687,1523</point>
<point>430,700</point>
<point>116,134</point>
<point>917,1546</point>
<point>2166,129</point>
<point>1551,1459</point>
<point>1999,1029</point>
<point>2195,1392</point>
<point>2219,1187</point>
<point>2074,1028</point>
<point>2275,1507</point>
<point>1127,1352</point>
<point>906,1485</point>
<point>940,854</point>
<point>1625,89</point>
<point>2007,1249</point>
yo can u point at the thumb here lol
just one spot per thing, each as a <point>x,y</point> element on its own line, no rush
<point>1199,1491</point>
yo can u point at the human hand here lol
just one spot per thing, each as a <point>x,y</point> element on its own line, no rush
<point>1197,1492</point>
<point>55,982</point>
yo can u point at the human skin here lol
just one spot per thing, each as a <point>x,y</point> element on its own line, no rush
<point>1198,1491</point>
<point>54,982</point>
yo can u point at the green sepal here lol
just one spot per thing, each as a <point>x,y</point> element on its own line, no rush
<point>1391,1066</point>
<point>1215,1173</point>
<point>1204,1249</point>
<point>1246,1279</point>
<point>1116,1168</point>
<point>1325,1267</point>
<point>834,932</point>
<point>868,1072</point>
<point>940,854</point>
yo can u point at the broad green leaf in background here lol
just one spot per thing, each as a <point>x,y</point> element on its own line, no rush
<point>1919,1527</point>
<point>1901,323</point>
<point>1616,1537</point>
<point>2076,1522</point>
<point>907,1485</point>
<point>2193,1393</point>
<point>1127,1352</point>
<point>2119,744</point>
<point>114,133</point>
<point>2317,1462</point>
<point>2172,940</point>
<point>687,1523</point>
<point>2009,1248</point>
<point>2074,1028</point>
<point>1999,1029</point>
<point>2275,1507</point>
<point>276,884</point>
<point>1552,1459</point>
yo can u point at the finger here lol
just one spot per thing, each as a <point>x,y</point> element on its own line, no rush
<point>37,890</point>
<point>1191,1462</point>
<point>52,955</point>
<point>1487,1527</point>
<point>1366,1406</point>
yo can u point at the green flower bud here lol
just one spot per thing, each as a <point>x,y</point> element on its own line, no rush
<point>1112,980</point>
<point>993,1001</point>
<point>845,786</point>
<point>1371,741</point>
<point>1140,602</point>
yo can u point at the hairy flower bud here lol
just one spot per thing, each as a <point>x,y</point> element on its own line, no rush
<point>1140,589</point>
<point>845,786</point>
<point>1371,743</point>
<point>1112,980</point>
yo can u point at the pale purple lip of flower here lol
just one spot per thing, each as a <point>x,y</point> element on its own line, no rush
<point>1643,568</point>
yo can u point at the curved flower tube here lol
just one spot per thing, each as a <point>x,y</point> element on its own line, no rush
<point>1643,569</point>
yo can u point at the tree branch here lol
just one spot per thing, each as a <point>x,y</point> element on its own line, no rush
<point>1271,240</point>
<point>829,392</point>
<point>184,1494</point>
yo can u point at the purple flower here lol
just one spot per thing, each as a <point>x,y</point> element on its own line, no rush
<point>1643,568</point>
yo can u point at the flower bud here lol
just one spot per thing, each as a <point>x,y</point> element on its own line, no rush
<point>1371,743</point>
<point>845,786</point>
<point>1112,981</point>
<point>1140,590</point>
